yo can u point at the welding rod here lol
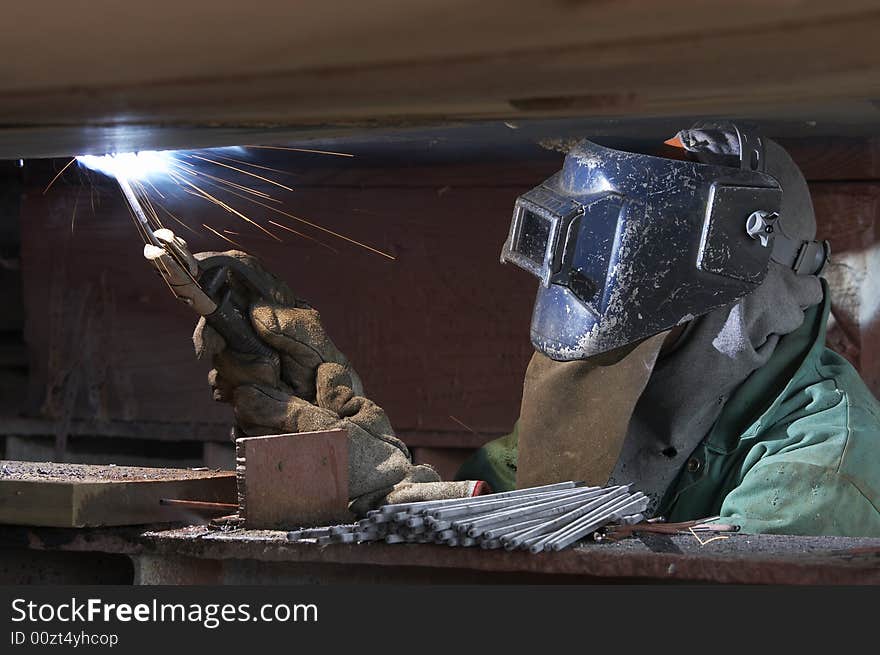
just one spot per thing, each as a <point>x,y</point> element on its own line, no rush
<point>425,504</point>
<point>715,527</point>
<point>369,535</point>
<point>514,539</point>
<point>551,506</point>
<point>434,524</point>
<point>543,510</point>
<point>486,503</point>
<point>538,542</point>
<point>565,519</point>
<point>584,526</point>
<point>500,531</point>
<point>484,507</point>
<point>315,533</point>
<point>476,506</point>
<point>540,525</point>
<point>138,211</point>
<point>342,529</point>
<point>636,503</point>
<point>536,519</point>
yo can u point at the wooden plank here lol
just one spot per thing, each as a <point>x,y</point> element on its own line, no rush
<point>290,480</point>
<point>78,495</point>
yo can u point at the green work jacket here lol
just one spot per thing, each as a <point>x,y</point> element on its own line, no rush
<point>796,449</point>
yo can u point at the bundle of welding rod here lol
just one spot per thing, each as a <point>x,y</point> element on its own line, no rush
<point>547,518</point>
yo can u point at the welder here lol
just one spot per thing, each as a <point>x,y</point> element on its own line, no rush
<point>679,332</point>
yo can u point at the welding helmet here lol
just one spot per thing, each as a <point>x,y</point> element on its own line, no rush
<point>627,244</point>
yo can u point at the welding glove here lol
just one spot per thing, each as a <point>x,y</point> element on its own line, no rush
<point>574,415</point>
<point>286,323</point>
<point>315,388</point>
<point>380,466</point>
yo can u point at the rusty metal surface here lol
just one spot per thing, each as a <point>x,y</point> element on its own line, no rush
<point>293,479</point>
<point>264,555</point>
<point>744,559</point>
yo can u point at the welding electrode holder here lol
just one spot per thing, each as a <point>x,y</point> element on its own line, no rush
<point>230,319</point>
<point>204,283</point>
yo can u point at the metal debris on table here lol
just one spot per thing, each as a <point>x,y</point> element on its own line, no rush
<point>546,518</point>
<point>658,526</point>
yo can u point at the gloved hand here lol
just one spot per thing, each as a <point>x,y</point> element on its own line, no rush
<point>315,388</point>
<point>284,322</point>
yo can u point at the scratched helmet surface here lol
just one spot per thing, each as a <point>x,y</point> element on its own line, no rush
<point>627,244</point>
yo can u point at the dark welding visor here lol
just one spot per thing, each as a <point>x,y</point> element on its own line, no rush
<point>537,220</point>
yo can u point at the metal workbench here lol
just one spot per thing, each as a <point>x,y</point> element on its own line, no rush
<point>195,555</point>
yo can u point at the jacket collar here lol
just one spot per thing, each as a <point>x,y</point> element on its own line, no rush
<point>756,402</point>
